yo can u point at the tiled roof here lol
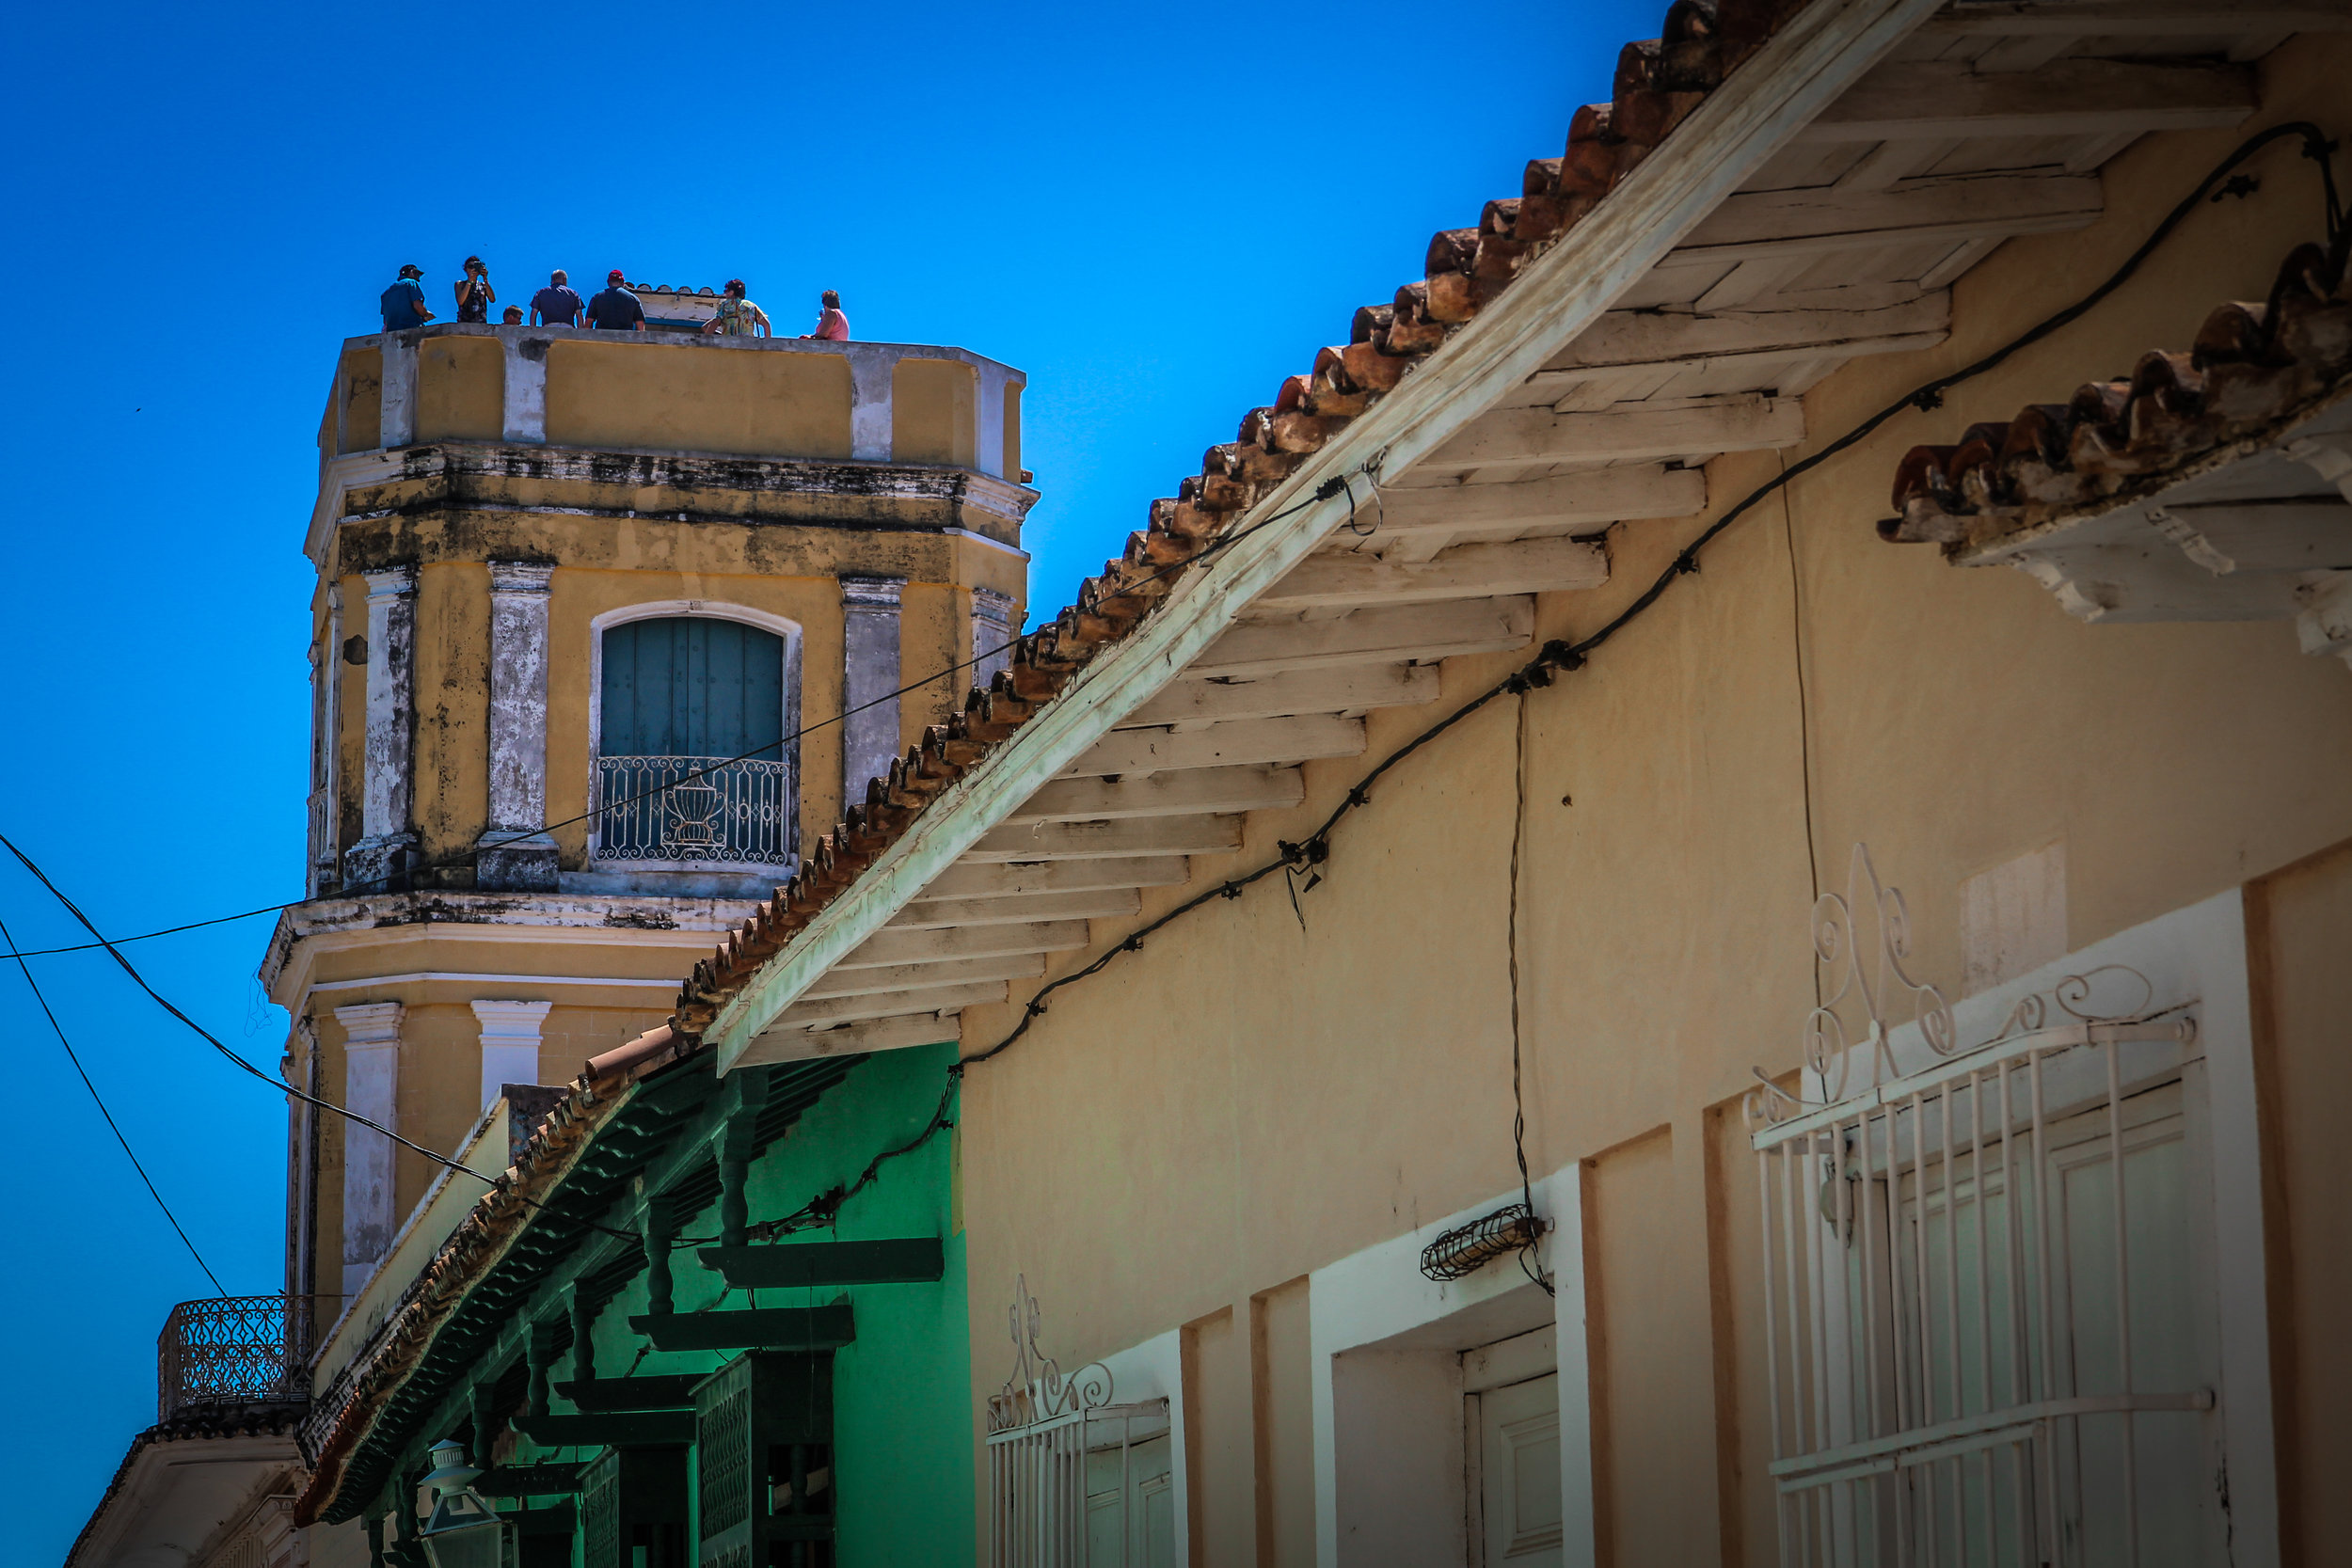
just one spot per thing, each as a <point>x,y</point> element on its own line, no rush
<point>2252,366</point>
<point>244,1419</point>
<point>1658,82</point>
<point>341,1413</point>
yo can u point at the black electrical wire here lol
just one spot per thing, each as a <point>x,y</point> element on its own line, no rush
<point>1555,657</point>
<point>1530,1259</point>
<point>279,1085</point>
<point>1329,488</point>
<point>1561,656</point>
<point>112,1126</point>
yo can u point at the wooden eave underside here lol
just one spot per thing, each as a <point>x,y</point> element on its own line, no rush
<point>1987,121</point>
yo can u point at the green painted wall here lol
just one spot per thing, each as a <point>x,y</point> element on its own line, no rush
<point>902,1392</point>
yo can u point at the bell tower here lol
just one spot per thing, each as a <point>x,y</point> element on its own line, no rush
<point>605,625</point>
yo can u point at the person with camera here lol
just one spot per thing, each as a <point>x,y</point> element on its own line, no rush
<point>475,294</point>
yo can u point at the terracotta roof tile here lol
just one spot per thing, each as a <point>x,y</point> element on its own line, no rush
<point>1658,82</point>
<point>2249,367</point>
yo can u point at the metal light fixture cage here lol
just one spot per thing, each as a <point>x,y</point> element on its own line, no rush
<point>1466,1249</point>
<point>461,1531</point>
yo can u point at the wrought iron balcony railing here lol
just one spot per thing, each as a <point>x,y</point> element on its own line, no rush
<point>232,1350</point>
<point>738,813</point>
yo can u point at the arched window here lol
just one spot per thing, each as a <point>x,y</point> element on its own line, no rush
<point>693,762</point>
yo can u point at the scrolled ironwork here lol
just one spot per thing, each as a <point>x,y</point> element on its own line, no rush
<point>1038,1391</point>
<point>232,1350</point>
<point>690,809</point>
<point>2071,995</point>
<point>1875,985</point>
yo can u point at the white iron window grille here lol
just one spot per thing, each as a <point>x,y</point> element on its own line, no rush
<point>1076,1480</point>
<point>1987,1290</point>
<point>687,809</point>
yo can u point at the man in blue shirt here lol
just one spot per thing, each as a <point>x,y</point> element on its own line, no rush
<point>404,302</point>
<point>615,310</point>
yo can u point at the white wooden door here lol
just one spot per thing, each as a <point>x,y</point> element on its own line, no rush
<point>1517,1444</point>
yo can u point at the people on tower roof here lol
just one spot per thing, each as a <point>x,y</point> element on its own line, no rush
<point>403,303</point>
<point>556,304</point>
<point>616,309</point>
<point>831,325</point>
<point>739,317</point>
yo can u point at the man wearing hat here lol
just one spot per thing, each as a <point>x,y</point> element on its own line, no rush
<point>404,302</point>
<point>615,310</point>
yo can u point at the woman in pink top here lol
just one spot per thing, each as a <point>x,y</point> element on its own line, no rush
<point>831,325</point>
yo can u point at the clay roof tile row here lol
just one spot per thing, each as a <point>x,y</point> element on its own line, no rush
<point>341,1413</point>
<point>1659,81</point>
<point>2250,366</point>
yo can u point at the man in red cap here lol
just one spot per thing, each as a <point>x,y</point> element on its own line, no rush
<point>615,310</point>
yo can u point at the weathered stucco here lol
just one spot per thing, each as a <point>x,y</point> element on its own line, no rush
<point>1258,1093</point>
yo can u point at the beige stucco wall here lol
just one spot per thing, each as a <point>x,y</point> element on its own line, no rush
<point>643,395</point>
<point>461,389</point>
<point>1257,1094</point>
<point>2300,940</point>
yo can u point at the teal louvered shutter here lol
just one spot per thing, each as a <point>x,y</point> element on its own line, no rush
<point>685,685</point>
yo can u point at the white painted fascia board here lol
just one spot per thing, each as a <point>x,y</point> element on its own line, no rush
<point>1803,69</point>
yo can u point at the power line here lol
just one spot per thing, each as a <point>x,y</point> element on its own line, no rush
<point>112,1126</point>
<point>1329,488</point>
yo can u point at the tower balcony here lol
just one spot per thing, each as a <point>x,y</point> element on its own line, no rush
<point>672,389</point>
<point>232,1351</point>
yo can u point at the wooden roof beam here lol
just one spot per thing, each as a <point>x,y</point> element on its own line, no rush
<point>1422,632</point>
<point>923,978</point>
<point>892,946</point>
<point>1820,220</point>
<point>964,881</point>
<point>1343,688</point>
<point>897,1033</point>
<point>1625,340</point>
<point>1680,428</point>
<point>1031,842</point>
<point>1464,572</point>
<point>1592,499</point>
<point>850,1009</point>
<point>1933,99</point>
<point>1255,787</point>
<point>1109,903</point>
<point>1241,741</point>
<point>2134,17</point>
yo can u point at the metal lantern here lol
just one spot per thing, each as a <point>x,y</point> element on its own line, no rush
<point>460,1530</point>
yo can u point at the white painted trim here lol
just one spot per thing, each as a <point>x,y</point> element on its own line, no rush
<point>1154,1369</point>
<point>1380,1295</point>
<point>871,658</point>
<point>289,980</point>
<point>715,609</point>
<point>870,386</point>
<point>1815,55</point>
<point>524,408</point>
<point>519,599</point>
<point>510,1043</point>
<point>2193,957</point>
<point>436,976</point>
<point>988,415</point>
<point>398,419</point>
<point>370,1089</point>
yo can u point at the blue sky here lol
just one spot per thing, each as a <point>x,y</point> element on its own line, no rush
<point>1158,212</point>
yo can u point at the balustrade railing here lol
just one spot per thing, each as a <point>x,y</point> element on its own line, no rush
<point>685,810</point>
<point>232,1350</point>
